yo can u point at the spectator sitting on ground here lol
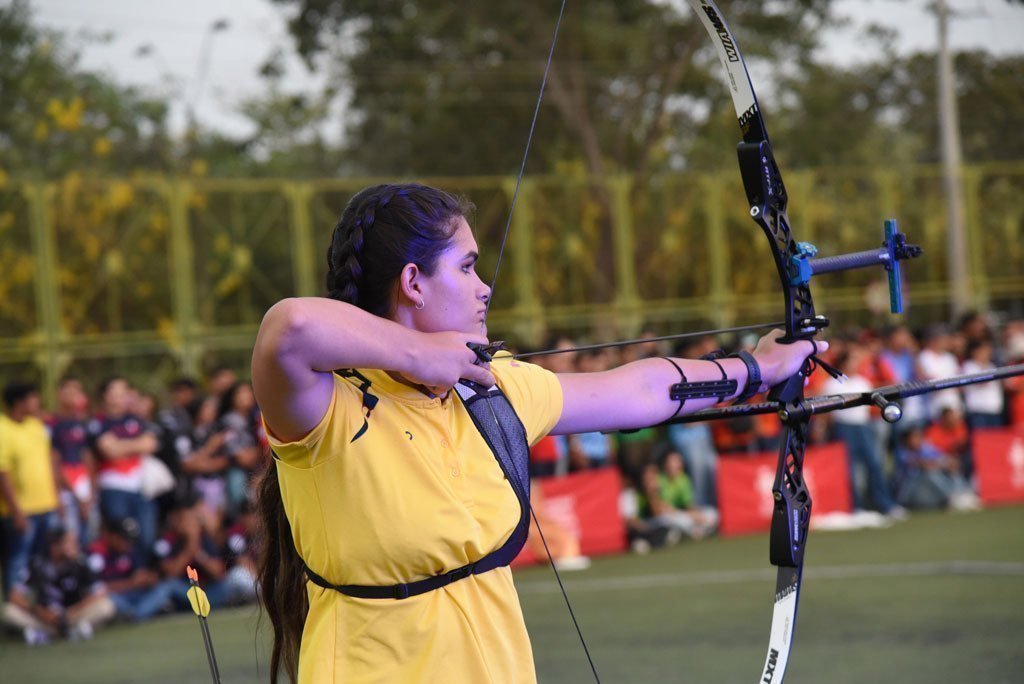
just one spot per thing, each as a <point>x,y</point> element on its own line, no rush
<point>241,551</point>
<point>28,481</point>
<point>58,595</point>
<point>694,440</point>
<point>653,506</point>
<point>137,591</point>
<point>642,533</point>
<point>932,479</point>
<point>676,491</point>
<point>187,543</point>
<point>950,436</point>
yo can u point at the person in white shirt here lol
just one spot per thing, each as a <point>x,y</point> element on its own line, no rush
<point>984,401</point>
<point>853,427</point>
<point>937,361</point>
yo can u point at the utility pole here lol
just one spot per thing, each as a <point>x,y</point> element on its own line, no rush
<point>961,289</point>
<point>202,68</point>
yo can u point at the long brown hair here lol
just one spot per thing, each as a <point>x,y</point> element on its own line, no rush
<point>383,228</point>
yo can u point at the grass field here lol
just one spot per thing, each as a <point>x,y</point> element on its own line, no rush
<point>938,598</point>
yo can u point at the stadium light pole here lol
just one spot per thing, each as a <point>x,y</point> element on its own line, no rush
<point>961,294</point>
<point>170,80</point>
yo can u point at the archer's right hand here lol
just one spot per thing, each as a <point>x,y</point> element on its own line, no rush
<point>441,359</point>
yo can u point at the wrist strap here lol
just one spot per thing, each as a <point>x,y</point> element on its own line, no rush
<point>753,385</point>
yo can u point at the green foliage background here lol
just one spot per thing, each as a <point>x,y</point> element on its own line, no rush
<point>125,247</point>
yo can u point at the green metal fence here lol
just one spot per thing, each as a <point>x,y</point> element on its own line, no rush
<point>154,276</point>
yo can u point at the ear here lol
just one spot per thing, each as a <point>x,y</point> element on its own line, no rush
<point>410,285</point>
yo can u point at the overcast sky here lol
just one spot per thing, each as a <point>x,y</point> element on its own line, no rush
<point>176,31</point>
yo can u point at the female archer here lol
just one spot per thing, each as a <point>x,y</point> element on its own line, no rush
<point>386,500</point>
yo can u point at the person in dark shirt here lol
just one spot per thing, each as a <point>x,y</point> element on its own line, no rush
<point>234,419</point>
<point>137,591</point>
<point>176,422</point>
<point>58,595</point>
<point>186,543</point>
<point>77,472</point>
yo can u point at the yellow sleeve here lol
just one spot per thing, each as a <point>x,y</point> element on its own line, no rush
<point>5,455</point>
<point>344,410</point>
<point>534,393</point>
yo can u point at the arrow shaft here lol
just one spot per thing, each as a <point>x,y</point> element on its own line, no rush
<point>641,340</point>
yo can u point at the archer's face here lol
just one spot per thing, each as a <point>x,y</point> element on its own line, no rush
<point>454,297</point>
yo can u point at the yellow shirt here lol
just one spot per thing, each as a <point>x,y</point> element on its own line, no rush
<point>25,458</point>
<point>418,494</point>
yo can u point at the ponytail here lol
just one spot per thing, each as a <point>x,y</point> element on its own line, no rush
<point>281,577</point>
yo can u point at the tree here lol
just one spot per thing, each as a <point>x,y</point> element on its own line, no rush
<point>55,117</point>
<point>448,88</point>
<point>884,112</point>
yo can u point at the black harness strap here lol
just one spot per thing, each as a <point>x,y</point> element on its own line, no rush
<point>369,400</point>
<point>507,430</point>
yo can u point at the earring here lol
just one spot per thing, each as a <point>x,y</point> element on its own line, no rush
<point>420,305</point>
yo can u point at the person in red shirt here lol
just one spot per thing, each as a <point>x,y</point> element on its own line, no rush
<point>120,439</point>
<point>548,456</point>
<point>950,436</point>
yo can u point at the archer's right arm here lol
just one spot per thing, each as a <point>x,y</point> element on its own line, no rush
<point>302,340</point>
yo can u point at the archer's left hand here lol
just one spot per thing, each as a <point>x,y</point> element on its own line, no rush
<point>779,361</point>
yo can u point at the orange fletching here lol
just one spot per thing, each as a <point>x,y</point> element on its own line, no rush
<point>192,574</point>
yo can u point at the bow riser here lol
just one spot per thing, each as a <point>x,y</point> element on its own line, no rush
<point>766,194</point>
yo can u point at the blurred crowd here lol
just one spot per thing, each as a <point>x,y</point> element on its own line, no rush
<point>924,461</point>
<point>107,499</point>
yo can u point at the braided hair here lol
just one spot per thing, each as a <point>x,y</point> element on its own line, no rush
<point>383,228</point>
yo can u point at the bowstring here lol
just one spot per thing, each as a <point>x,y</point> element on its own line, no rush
<point>487,309</point>
<point>526,154</point>
<point>544,541</point>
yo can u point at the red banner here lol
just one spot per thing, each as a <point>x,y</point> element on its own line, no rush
<point>999,464</point>
<point>745,487</point>
<point>579,514</point>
